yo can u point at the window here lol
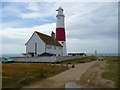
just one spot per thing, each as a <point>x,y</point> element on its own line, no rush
<point>55,48</point>
<point>58,54</point>
<point>59,48</point>
<point>49,47</point>
<point>54,54</point>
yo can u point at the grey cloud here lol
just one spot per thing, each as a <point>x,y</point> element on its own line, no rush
<point>8,40</point>
<point>95,30</point>
<point>99,23</point>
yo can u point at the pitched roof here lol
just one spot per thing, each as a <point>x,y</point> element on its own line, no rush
<point>48,40</point>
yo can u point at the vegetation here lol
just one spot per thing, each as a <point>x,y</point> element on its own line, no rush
<point>80,60</point>
<point>18,75</point>
<point>112,69</point>
<point>73,66</point>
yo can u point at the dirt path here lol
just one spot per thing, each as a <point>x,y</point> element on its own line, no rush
<point>92,77</point>
<point>59,80</point>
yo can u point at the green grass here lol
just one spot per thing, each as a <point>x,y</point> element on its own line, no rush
<point>14,75</point>
<point>112,69</point>
<point>80,60</point>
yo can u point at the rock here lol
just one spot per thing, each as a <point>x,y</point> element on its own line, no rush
<point>72,85</point>
<point>88,81</point>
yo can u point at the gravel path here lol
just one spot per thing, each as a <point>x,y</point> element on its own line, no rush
<point>59,80</point>
<point>93,77</point>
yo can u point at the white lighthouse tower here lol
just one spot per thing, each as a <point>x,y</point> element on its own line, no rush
<point>60,30</point>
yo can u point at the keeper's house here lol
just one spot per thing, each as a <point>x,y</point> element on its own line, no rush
<point>43,45</point>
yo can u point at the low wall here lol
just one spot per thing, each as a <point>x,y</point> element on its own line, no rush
<point>65,58</point>
<point>35,59</point>
<point>46,59</point>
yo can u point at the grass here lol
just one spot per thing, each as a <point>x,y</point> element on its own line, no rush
<point>15,75</point>
<point>112,69</point>
<point>80,60</point>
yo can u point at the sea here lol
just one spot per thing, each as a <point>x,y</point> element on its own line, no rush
<point>88,54</point>
<point>11,55</point>
<point>103,54</point>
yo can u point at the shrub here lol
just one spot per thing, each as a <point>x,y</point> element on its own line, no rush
<point>42,75</point>
<point>57,62</point>
<point>81,61</point>
<point>69,62</point>
<point>93,59</point>
<point>73,66</point>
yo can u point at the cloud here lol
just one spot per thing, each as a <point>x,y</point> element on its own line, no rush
<point>33,6</point>
<point>10,9</point>
<point>29,15</point>
<point>95,24</point>
<point>19,36</point>
<point>105,45</point>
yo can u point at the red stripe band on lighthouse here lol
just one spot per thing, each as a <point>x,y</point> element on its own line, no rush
<point>60,34</point>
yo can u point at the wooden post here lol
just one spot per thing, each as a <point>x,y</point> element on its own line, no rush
<point>61,65</point>
<point>66,65</point>
<point>55,63</point>
<point>26,76</point>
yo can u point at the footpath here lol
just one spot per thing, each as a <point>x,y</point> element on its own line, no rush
<point>59,81</point>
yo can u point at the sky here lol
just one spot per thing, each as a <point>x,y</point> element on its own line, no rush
<point>89,26</point>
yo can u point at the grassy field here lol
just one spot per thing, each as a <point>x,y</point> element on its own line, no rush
<point>18,75</point>
<point>112,69</point>
<point>81,60</point>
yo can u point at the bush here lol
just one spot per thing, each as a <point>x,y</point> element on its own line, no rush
<point>93,59</point>
<point>57,62</point>
<point>73,66</point>
<point>69,62</point>
<point>42,75</point>
<point>115,60</point>
<point>81,61</point>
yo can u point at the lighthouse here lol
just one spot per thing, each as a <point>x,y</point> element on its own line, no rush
<point>60,30</point>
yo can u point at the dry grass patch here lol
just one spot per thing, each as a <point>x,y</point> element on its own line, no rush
<point>19,75</point>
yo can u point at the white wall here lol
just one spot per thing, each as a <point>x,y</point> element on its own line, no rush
<point>64,47</point>
<point>30,46</point>
<point>65,58</point>
<point>35,59</point>
<point>60,21</point>
<point>56,51</point>
<point>46,59</point>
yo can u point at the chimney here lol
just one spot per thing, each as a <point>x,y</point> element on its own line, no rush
<point>53,35</point>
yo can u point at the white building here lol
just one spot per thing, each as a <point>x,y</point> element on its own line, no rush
<point>95,53</point>
<point>43,45</point>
